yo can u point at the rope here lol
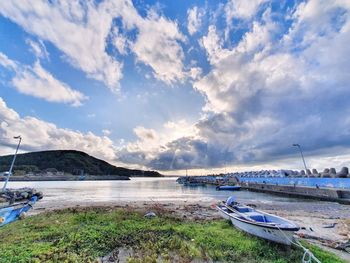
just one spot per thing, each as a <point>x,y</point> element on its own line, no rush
<point>308,255</point>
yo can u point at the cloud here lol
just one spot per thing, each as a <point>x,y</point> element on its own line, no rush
<point>40,135</point>
<point>150,143</point>
<point>194,19</point>
<point>38,48</point>
<point>271,88</point>
<point>157,45</point>
<point>78,29</point>
<point>84,30</point>
<point>106,132</point>
<point>37,82</point>
<point>241,9</point>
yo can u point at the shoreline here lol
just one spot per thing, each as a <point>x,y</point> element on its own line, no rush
<point>74,178</point>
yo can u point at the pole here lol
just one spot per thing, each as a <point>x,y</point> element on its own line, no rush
<point>13,162</point>
<point>302,156</point>
<point>301,153</point>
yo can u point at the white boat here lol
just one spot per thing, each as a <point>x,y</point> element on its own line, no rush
<point>258,223</point>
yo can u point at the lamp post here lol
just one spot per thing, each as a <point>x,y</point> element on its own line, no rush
<point>13,162</point>
<point>301,153</point>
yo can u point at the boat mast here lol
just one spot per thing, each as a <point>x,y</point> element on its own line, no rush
<point>13,162</point>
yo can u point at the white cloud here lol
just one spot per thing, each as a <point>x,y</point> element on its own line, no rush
<point>81,30</point>
<point>38,48</point>
<point>106,132</point>
<point>40,135</point>
<point>120,42</point>
<point>78,29</point>
<point>194,19</point>
<point>36,81</point>
<point>157,45</point>
<point>150,142</point>
<point>242,9</point>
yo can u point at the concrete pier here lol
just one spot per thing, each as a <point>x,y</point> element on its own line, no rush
<point>327,194</point>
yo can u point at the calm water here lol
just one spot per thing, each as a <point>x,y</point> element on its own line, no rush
<point>58,194</point>
<point>323,182</point>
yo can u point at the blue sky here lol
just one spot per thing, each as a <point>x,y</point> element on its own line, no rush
<point>174,85</point>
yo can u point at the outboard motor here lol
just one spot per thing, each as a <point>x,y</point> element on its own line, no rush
<point>231,201</point>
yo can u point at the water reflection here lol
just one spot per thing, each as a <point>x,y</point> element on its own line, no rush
<point>138,189</point>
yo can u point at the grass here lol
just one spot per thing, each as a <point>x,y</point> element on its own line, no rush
<point>84,235</point>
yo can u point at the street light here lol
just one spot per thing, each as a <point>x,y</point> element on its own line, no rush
<point>13,162</point>
<point>301,153</point>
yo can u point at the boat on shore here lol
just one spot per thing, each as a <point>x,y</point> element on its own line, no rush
<point>16,202</point>
<point>258,223</point>
<point>228,188</point>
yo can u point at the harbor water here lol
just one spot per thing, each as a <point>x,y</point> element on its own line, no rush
<point>68,193</point>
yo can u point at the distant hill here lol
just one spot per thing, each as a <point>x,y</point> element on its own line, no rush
<point>68,161</point>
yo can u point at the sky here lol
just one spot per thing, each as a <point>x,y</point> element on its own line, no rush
<point>172,85</point>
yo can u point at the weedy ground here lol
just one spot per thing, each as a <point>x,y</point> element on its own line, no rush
<point>85,235</point>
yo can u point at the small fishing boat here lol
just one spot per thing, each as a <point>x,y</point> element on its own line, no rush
<point>258,223</point>
<point>228,188</point>
<point>15,202</point>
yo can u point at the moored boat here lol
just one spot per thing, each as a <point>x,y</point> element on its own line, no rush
<point>194,184</point>
<point>258,223</point>
<point>228,188</point>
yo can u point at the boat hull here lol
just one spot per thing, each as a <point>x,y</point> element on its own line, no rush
<point>228,188</point>
<point>269,232</point>
<point>272,234</point>
<point>12,213</point>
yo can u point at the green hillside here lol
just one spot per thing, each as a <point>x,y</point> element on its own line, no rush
<point>67,161</point>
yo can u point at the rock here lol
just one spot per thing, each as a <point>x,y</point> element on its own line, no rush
<point>308,172</point>
<point>325,173</point>
<point>302,173</point>
<point>150,215</point>
<point>344,172</point>
<point>22,215</point>
<point>314,171</point>
<point>344,246</point>
<point>333,172</point>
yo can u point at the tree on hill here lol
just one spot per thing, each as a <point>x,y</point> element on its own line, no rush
<point>68,161</point>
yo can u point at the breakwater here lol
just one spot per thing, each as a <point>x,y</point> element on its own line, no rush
<point>326,194</point>
<point>341,195</point>
<point>66,178</point>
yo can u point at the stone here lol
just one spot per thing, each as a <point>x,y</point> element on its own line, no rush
<point>150,215</point>
<point>344,172</point>
<point>325,173</point>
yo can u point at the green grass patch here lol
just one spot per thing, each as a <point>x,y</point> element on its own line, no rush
<point>84,235</point>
